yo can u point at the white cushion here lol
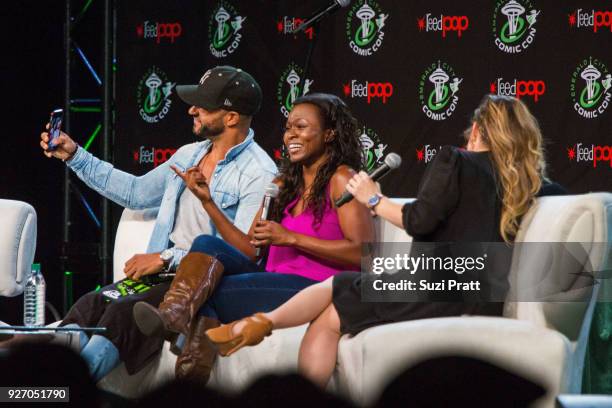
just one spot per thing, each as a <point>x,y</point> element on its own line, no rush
<point>276,354</point>
<point>370,360</point>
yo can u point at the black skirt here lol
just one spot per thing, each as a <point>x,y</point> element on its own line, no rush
<point>356,315</point>
<point>95,309</point>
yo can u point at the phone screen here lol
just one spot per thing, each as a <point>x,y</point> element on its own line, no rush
<point>55,124</point>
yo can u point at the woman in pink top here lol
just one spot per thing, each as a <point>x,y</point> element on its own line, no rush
<point>309,239</point>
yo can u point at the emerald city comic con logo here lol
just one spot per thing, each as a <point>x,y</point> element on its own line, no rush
<point>364,26</point>
<point>153,95</point>
<point>438,87</point>
<point>590,88</point>
<point>513,25</point>
<point>223,30</point>
<point>372,148</point>
<point>290,87</point>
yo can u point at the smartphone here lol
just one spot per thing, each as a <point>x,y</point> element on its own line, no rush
<point>55,124</point>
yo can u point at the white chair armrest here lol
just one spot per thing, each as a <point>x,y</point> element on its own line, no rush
<point>133,235</point>
<point>17,245</point>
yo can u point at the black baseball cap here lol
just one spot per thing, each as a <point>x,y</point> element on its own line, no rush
<point>224,87</point>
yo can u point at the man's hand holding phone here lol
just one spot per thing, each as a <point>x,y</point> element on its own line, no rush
<point>54,142</point>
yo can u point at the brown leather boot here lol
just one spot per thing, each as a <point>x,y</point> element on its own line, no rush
<point>196,278</point>
<point>196,361</point>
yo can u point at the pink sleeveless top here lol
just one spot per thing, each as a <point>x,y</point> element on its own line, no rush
<point>293,261</point>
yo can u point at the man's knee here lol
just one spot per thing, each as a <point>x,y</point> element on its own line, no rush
<point>89,299</point>
<point>122,305</point>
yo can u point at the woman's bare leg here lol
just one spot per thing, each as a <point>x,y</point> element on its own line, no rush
<point>319,348</point>
<point>302,308</point>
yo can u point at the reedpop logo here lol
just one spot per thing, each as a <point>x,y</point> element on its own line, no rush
<point>369,90</point>
<point>288,25</point>
<point>155,30</point>
<point>223,30</point>
<point>154,155</point>
<point>518,88</point>
<point>441,101</point>
<point>426,153</point>
<point>592,18</point>
<point>443,23</point>
<point>590,154</point>
<point>289,87</point>
<point>594,98</point>
<point>364,27</point>
<point>153,95</point>
<point>279,154</point>
<point>511,31</point>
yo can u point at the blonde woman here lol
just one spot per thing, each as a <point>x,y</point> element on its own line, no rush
<point>476,194</point>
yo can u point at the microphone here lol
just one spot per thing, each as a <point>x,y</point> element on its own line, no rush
<point>392,162</point>
<point>336,4</point>
<point>270,194</point>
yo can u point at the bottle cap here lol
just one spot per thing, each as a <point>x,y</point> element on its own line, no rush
<point>36,267</point>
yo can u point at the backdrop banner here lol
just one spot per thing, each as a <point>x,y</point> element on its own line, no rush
<point>411,71</point>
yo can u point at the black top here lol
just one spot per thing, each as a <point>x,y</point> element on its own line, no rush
<point>457,200</point>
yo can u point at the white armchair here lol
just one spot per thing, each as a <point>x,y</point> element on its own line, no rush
<point>17,245</point>
<point>543,342</point>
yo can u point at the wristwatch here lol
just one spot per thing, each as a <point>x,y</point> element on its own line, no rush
<point>166,257</point>
<point>374,200</point>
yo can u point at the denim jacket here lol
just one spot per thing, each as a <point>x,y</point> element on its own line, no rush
<point>237,187</point>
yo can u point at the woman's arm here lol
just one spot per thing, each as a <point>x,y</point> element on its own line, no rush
<point>354,219</point>
<point>197,183</point>
<point>362,187</point>
<point>437,197</point>
<point>230,233</point>
<point>390,211</point>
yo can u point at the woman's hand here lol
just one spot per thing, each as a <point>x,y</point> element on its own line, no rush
<point>362,187</point>
<point>195,182</point>
<point>272,233</point>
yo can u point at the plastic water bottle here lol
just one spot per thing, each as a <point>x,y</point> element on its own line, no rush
<point>34,299</point>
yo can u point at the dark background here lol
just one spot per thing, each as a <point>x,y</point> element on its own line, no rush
<point>33,81</point>
<point>33,84</point>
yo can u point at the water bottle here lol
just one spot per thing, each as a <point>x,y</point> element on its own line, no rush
<point>34,299</point>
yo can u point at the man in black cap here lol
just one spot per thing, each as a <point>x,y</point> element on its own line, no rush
<point>226,175</point>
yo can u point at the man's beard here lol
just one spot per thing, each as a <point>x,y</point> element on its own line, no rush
<point>207,132</point>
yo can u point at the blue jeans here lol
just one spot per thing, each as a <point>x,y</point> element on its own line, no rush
<point>245,288</point>
<point>98,352</point>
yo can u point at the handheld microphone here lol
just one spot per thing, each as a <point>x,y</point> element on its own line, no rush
<point>335,5</point>
<point>270,194</point>
<point>392,162</point>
